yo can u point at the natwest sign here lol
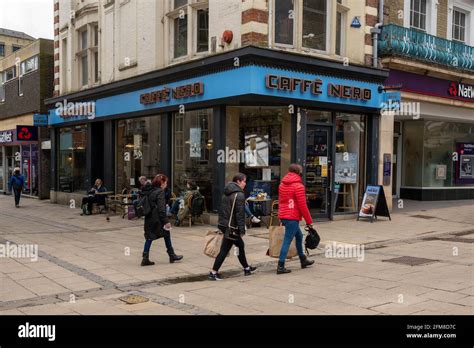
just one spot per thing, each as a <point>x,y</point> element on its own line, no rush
<point>461,90</point>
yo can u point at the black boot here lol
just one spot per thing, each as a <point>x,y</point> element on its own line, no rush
<point>305,262</point>
<point>173,256</point>
<point>146,261</point>
<point>281,268</point>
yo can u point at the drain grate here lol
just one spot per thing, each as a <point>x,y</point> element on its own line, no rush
<point>410,260</point>
<point>426,217</point>
<point>134,299</point>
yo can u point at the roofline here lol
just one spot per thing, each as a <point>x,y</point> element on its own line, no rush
<point>25,37</point>
<point>224,61</point>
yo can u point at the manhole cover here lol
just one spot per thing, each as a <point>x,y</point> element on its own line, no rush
<point>410,261</point>
<point>134,299</point>
<point>426,217</point>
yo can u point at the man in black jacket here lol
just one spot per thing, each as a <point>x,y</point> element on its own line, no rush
<point>232,224</point>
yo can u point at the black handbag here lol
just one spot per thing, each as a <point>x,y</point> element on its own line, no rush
<point>312,239</point>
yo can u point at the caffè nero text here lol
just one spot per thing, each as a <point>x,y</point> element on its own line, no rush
<point>315,87</point>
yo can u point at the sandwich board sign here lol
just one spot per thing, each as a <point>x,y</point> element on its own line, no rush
<point>374,204</point>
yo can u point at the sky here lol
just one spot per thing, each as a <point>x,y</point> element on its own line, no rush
<point>33,17</point>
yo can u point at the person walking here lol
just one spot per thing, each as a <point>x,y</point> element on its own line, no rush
<point>157,224</point>
<point>16,184</point>
<point>292,208</point>
<point>232,223</point>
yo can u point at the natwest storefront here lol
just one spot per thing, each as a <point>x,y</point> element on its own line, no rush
<point>435,144</point>
<point>209,119</point>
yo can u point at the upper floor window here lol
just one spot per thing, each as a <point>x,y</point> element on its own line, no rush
<point>29,65</point>
<point>459,25</point>
<point>186,17</point>
<point>418,14</point>
<point>88,55</point>
<point>202,30</point>
<point>2,88</point>
<point>309,18</point>
<point>15,48</point>
<point>10,74</point>
<point>284,22</point>
<point>2,50</point>
<point>179,3</point>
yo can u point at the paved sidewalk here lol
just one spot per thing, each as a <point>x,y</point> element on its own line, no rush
<point>86,264</point>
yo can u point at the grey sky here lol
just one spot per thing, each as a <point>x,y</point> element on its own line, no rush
<point>33,17</point>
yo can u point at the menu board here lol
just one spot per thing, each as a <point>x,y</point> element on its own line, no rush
<point>374,204</point>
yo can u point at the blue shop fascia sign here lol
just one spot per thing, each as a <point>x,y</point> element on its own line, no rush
<point>241,81</point>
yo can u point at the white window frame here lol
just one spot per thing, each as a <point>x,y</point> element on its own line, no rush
<point>20,86</point>
<point>88,52</point>
<point>2,88</point>
<point>24,64</point>
<point>468,9</point>
<point>431,16</point>
<point>341,8</point>
<point>15,74</point>
<point>298,29</point>
<point>191,11</point>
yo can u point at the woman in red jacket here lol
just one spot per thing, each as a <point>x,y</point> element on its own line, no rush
<point>293,207</point>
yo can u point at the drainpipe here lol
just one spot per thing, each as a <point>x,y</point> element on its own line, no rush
<point>375,34</point>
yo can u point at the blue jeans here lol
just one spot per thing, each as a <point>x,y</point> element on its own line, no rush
<point>175,208</point>
<point>292,230</point>
<point>148,242</point>
<point>248,212</point>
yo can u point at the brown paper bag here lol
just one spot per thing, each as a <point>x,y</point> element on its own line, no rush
<point>277,234</point>
<point>212,243</point>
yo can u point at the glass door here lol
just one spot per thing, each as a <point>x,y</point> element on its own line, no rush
<point>318,170</point>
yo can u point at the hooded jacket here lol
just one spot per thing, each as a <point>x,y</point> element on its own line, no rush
<point>231,191</point>
<point>292,199</point>
<point>16,182</point>
<point>155,221</point>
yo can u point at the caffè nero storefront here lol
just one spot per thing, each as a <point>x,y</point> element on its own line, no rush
<point>209,119</point>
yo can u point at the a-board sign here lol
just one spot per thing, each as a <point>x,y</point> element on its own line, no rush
<point>374,204</point>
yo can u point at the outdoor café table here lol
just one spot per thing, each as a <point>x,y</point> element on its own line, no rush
<point>114,201</point>
<point>260,207</point>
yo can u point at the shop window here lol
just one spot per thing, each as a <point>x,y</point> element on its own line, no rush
<point>139,150</point>
<point>261,148</point>
<point>440,141</point>
<point>193,151</point>
<point>72,160</point>
<point>412,153</point>
<point>349,163</point>
<point>459,25</point>
<point>1,168</point>
<point>12,159</point>
<point>418,14</point>
<point>29,168</point>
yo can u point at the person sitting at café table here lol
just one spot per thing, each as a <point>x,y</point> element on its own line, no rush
<point>94,196</point>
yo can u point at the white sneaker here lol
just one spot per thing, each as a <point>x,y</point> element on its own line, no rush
<point>256,220</point>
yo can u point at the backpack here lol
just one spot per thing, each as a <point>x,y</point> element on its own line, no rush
<point>312,239</point>
<point>197,205</point>
<point>144,206</point>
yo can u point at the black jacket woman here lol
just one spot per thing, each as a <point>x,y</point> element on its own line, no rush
<point>157,224</point>
<point>232,213</point>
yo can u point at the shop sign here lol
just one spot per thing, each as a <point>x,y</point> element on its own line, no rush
<point>315,87</point>
<point>40,120</point>
<point>26,133</point>
<point>461,90</point>
<point>6,136</point>
<point>165,94</point>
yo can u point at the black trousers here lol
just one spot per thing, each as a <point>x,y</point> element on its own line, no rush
<point>225,248</point>
<point>17,194</point>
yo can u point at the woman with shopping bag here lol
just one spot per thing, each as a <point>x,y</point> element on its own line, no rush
<point>292,208</point>
<point>232,224</point>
